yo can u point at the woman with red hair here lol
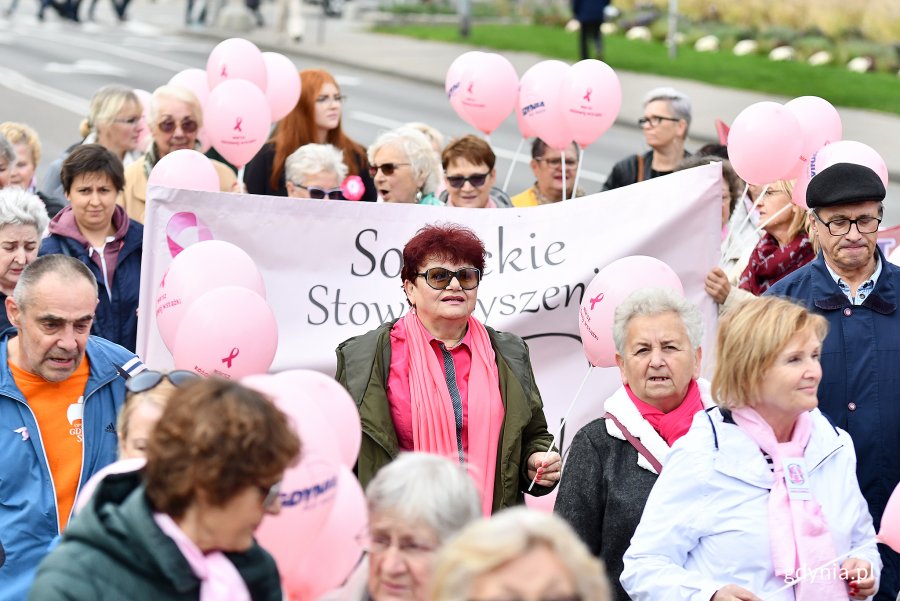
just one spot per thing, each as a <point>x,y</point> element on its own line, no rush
<point>437,380</point>
<point>316,119</point>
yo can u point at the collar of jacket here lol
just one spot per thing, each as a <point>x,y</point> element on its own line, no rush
<point>827,296</point>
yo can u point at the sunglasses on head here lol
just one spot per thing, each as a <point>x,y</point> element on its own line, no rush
<point>386,168</point>
<point>321,193</point>
<point>149,379</point>
<point>439,278</point>
<point>476,179</point>
<point>188,125</point>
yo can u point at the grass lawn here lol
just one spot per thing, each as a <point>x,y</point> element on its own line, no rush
<point>878,91</point>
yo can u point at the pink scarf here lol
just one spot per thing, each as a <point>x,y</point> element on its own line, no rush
<point>798,532</point>
<point>433,422</point>
<point>219,579</point>
<point>674,424</point>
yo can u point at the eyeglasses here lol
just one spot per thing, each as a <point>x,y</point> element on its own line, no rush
<point>149,379</point>
<point>320,193</point>
<point>557,162</point>
<point>324,98</point>
<point>839,227</point>
<point>377,544</point>
<point>386,168</point>
<point>188,125</point>
<point>476,179</point>
<point>440,277</point>
<point>565,598</point>
<point>655,120</point>
<point>131,121</point>
<point>270,494</point>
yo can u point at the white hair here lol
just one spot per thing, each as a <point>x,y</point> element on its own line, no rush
<point>18,207</point>
<point>654,301</point>
<point>179,93</point>
<point>680,103</point>
<point>311,159</point>
<point>7,151</point>
<point>419,152</point>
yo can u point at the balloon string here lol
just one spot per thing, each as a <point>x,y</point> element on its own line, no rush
<point>513,164</point>
<point>240,179</point>
<point>564,420</point>
<point>578,171</point>
<point>562,155</point>
<point>810,573</point>
<point>746,220</point>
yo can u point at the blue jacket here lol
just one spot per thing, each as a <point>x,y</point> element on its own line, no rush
<point>28,514</point>
<point>860,388</point>
<point>589,11</point>
<point>116,319</point>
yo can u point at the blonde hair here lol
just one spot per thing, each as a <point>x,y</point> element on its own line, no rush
<point>750,337</point>
<point>19,133</point>
<point>799,221</point>
<point>489,543</point>
<point>106,103</point>
<point>158,395</point>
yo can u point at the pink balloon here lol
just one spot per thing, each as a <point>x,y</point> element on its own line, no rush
<point>194,80</point>
<point>236,58</point>
<point>489,90</point>
<point>196,270</point>
<point>237,120</point>
<point>798,194</point>
<point>330,558</point>
<point>820,125</point>
<point>229,332</point>
<point>612,285</point>
<point>848,151</point>
<point>305,387</point>
<point>524,129</point>
<point>283,90</point>
<point>453,80</point>
<point>540,102</point>
<point>764,143</point>
<point>889,533</point>
<point>144,134</point>
<point>186,170</point>
<point>591,99</point>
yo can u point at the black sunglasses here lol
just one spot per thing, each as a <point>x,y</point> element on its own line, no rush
<point>320,193</point>
<point>440,277</point>
<point>188,125</point>
<point>476,179</point>
<point>386,168</point>
<point>149,379</point>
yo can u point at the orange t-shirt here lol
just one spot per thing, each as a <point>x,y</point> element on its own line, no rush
<point>58,408</point>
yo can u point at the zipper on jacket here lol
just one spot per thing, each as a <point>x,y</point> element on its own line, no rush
<point>47,461</point>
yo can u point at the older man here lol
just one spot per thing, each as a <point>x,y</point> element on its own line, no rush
<point>547,166</point>
<point>858,291</point>
<point>60,390</point>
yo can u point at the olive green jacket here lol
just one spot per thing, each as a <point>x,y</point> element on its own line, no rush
<point>362,367</point>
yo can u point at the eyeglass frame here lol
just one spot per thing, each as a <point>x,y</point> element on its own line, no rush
<point>270,494</point>
<point>557,162</point>
<point>323,98</point>
<point>658,118</point>
<point>453,274</point>
<point>850,223</point>
<point>387,168</point>
<point>131,121</point>
<point>462,179</point>
<point>410,550</point>
<point>183,376</point>
<point>326,192</point>
<point>170,129</point>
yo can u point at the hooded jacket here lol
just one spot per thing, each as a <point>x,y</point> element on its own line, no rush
<point>117,269</point>
<point>114,550</point>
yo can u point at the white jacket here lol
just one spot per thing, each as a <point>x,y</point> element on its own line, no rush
<point>705,524</point>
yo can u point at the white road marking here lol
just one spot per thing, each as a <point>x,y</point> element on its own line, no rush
<point>86,67</point>
<point>17,82</point>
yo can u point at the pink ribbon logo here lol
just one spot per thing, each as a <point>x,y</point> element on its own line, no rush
<point>234,353</point>
<point>237,124</point>
<point>180,222</point>
<point>587,94</point>
<point>469,89</point>
<point>596,300</point>
<point>224,72</point>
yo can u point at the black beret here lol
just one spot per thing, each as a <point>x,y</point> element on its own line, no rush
<point>844,183</point>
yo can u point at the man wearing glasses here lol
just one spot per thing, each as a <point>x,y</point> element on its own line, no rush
<point>547,166</point>
<point>60,389</point>
<point>665,124</point>
<point>858,291</point>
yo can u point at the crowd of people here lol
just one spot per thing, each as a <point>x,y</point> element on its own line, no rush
<point>681,489</point>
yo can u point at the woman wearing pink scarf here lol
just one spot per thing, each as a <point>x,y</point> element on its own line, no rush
<point>438,380</point>
<point>762,490</point>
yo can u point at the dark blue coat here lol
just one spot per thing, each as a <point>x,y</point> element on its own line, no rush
<point>116,320</point>
<point>860,388</point>
<point>589,11</point>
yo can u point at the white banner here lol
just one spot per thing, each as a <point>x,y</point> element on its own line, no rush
<point>332,268</point>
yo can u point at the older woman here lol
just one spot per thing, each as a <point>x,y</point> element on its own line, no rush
<point>27,147</point>
<point>316,119</point>
<point>22,220</point>
<point>762,490</point>
<point>518,554</point>
<point>148,393</point>
<point>438,380</point>
<point>315,171</point>
<point>182,528</point>
<point>783,249</point>
<point>469,173</point>
<point>96,231</point>
<point>614,461</point>
<point>175,118</point>
<point>403,164</point>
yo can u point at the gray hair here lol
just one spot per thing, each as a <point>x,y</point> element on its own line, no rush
<point>106,103</point>
<point>653,301</point>
<point>310,159</point>
<point>427,488</point>
<point>68,268</point>
<point>680,103</point>
<point>433,134</point>
<point>419,152</point>
<point>6,150</point>
<point>179,93</point>
<point>18,207</point>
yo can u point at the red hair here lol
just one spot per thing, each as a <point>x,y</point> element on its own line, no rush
<point>450,242</point>
<point>298,128</point>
